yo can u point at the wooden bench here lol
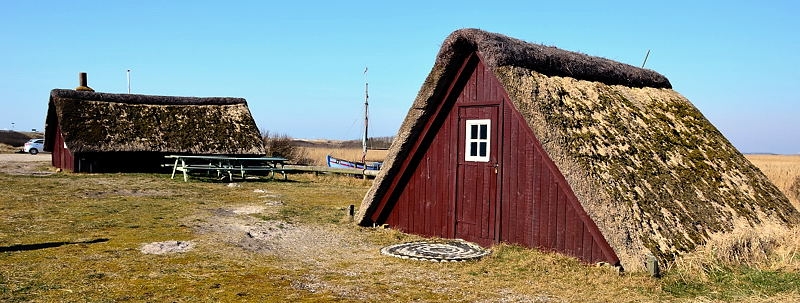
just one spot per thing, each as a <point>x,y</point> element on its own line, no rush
<point>226,166</point>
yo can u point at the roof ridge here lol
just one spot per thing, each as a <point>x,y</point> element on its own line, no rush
<point>144,99</point>
<point>499,50</point>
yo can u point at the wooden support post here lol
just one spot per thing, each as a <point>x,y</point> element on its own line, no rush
<point>652,266</point>
<point>351,212</point>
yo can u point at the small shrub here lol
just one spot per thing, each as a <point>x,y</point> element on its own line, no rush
<point>281,145</point>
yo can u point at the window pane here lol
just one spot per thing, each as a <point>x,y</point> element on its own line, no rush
<point>473,133</point>
<point>473,149</point>
<point>483,149</point>
<point>483,131</point>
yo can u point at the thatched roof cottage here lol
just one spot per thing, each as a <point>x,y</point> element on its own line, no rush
<point>509,141</point>
<point>89,131</point>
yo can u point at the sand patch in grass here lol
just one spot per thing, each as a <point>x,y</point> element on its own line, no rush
<point>167,247</point>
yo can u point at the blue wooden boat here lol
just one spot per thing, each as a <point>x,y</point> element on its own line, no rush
<point>340,163</point>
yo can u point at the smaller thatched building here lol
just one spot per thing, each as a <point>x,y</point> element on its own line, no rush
<point>87,131</point>
<point>515,142</point>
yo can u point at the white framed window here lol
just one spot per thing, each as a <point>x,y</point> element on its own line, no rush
<point>477,144</point>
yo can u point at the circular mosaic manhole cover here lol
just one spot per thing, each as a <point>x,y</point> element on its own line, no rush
<point>449,251</point>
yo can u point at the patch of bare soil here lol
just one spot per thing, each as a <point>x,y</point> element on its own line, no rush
<point>319,250</point>
<point>243,226</point>
<point>26,164</point>
<point>166,247</point>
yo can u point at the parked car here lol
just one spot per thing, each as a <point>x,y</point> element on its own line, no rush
<point>33,146</point>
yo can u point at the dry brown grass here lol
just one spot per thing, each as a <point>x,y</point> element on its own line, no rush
<point>769,248</point>
<point>751,266</point>
<point>317,154</point>
<point>783,171</point>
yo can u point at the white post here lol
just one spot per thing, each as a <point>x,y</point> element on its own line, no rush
<point>129,81</point>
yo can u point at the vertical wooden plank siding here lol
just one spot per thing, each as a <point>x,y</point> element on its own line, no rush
<point>424,202</point>
<point>61,157</point>
<point>535,217</point>
<point>422,206</point>
<point>588,242</point>
<point>561,227</point>
<point>570,226</point>
<point>57,155</point>
<point>477,182</point>
<point>535,207</point>
<point>552,211</point>
<point>390,203</point>
<point>557,220</point>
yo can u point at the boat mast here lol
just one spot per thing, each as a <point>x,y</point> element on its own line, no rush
<point>366,119</point>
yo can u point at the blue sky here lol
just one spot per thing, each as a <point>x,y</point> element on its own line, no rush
<point>300,64</point>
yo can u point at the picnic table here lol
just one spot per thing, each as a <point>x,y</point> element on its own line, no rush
<point>226,166</point>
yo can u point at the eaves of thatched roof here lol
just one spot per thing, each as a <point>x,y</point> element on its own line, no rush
<point>649,169</point>
<point>104,122</point>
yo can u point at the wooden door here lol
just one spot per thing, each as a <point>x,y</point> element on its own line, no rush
<point>477,176</point>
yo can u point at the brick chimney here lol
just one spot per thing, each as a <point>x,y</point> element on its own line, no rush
<point>84,86</point>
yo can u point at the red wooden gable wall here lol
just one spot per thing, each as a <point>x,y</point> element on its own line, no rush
<point>61,157</point>
<point>518,196</point>
<point>538,207</point>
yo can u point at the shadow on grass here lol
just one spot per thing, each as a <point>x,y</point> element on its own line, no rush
<point>248,179</point>
<point>37,246</point>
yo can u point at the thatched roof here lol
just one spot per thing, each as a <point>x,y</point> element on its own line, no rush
<point>649,169</point>
<point>103,122</point>
<point>498,50</point>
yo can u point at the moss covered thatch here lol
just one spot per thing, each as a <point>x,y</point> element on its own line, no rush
<point>103,122</point>
<point>649,169</point>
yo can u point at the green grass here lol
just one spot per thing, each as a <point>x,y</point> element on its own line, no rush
<point>130,210</point>
<point>730,284</point>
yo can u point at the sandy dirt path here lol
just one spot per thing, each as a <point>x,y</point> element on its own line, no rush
<point>26,164</point>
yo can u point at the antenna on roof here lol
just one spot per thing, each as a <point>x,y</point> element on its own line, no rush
<point>645,58</point>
